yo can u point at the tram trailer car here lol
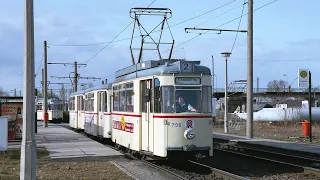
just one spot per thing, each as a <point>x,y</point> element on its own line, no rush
<point>146,114</point>
<point>55,112</point>
<point>76,110</point>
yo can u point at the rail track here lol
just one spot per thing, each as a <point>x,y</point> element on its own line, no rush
<point>219,173</point>
<point>215,173</point>
<point>303,164</point>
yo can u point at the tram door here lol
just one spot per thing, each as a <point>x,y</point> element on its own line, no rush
<point>147,115</point>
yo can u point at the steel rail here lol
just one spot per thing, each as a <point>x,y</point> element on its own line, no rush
<point>221,174</point>
<point>307,170</point>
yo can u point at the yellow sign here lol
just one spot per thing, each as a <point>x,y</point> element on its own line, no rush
<point>303,74</point>
<point>123,122</point>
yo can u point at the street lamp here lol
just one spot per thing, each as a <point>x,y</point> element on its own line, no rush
<point>226,55</point>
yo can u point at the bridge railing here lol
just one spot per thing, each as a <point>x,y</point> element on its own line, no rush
<point>264,90</point>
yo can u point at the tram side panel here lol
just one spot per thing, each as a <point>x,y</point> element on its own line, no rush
<point>160,136</point>
<point>126,120</point>
<point>73,115</point>
<point>126,131</point>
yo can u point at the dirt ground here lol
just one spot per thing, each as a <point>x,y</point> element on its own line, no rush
<point>48,169</point>
<point>283,131</point>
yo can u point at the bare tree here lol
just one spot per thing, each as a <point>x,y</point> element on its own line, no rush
<point>3,93</point>
<point>280,87</point>
<point>277,85</point>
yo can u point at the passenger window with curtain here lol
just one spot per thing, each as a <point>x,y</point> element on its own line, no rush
<point>115,98</point>
<point>123,102</point>
<point>130,96</point>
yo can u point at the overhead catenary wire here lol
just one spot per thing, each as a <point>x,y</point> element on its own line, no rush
<point>192,18</point>
<point>216,28</point>
<point>235,39</point>
<point>115,37</point>
<point>40,65</point>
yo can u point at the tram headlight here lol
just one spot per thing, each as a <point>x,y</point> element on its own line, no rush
<point>189,134</point>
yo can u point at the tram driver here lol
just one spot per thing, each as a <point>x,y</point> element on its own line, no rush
<point>181,106</point>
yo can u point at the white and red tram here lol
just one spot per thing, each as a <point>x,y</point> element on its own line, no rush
<point>55,112</point>
<point>158,108</point>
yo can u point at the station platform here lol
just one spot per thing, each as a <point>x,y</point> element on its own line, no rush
<point>65,143</point>
<point>284,147</point>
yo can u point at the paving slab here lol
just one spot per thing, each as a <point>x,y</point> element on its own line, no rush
<point>65,143</point>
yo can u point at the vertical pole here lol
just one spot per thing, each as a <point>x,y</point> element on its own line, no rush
<point>45,85</point>
<point>250,71</point>
<point>15,92</point>
<point>258,99</point>
<point>42,82</point>
<point>28,145</point>
<point>212,74</point>
<point>310,112</point>
<point>226,100</point>
<point>75,76</point>
<point>20,93</point>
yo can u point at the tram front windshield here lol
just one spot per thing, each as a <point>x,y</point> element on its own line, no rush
<point>182,99</point>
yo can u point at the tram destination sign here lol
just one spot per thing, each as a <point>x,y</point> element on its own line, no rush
<point>188,81</point>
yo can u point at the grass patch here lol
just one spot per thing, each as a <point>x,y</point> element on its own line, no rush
<point>47,169</point>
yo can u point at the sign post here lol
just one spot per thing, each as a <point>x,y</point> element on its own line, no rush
<point>304,82</point>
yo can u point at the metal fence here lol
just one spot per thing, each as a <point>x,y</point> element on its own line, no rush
<point>265,90</point>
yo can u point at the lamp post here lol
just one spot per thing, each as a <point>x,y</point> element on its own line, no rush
<point>226,55</point>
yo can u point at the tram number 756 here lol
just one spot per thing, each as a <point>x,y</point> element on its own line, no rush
<point>173,124</point>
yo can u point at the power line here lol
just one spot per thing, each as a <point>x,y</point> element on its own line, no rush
<point>115,37</point>
<point>40,65</point>
<point>219,15</point>
<point>218,27</point>
<point>235,39</point>
<point>282,60</point>
<point>101,43</point>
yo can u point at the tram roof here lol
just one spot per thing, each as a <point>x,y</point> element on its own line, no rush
<point>49,100</point>
<point>102,86</point>
<point>160,67</point>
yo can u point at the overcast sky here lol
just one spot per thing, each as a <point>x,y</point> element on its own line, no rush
<point>286,37</point>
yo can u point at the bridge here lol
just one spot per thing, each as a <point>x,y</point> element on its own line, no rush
<point>236,92</point>
<point>237,96</point>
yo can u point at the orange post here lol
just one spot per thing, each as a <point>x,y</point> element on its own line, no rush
<point>306,127</point>
<point>46,117</point>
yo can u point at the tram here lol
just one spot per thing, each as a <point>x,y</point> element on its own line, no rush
<point>158,108</point>
<point>55,112</point>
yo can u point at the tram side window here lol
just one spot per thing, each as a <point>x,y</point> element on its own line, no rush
<point>123,103</point>
<point>71,103</point>
<point>91,108</point>
<point>143,90</point>
<point>81,103</point>
<point>115,98</point>
<point>157,96</point>
<point>86,104</point>
<point>207,99</point>
<point>130,96</point>
<point>105,102</point>
<point>167,99</point>
<point>100,96</point>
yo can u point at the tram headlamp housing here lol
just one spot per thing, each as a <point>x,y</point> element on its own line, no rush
<point>189,134</point>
